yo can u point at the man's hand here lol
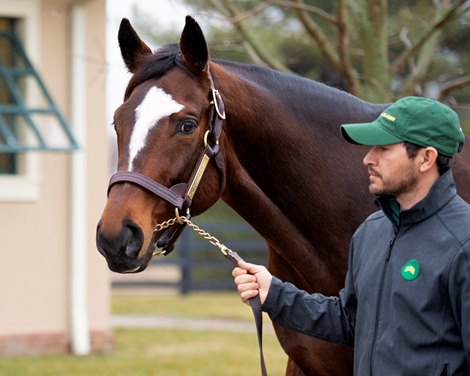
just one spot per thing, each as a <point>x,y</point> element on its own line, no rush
<point>252,279</point>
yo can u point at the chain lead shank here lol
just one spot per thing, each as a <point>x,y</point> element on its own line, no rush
<point>227,252</point>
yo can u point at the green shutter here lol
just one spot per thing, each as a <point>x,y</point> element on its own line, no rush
<point>25,126</point>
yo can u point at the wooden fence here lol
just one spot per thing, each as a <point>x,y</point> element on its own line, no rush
<point>201,265</point>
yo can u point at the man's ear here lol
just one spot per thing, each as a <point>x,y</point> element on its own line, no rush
<point>427,158</point>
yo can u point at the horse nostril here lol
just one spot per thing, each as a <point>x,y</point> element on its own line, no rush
<point>133,240</point>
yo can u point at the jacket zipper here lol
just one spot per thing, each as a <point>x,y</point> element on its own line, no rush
<point>379,297</point>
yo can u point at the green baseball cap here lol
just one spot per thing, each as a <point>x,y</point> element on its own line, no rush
<point>421,121</point>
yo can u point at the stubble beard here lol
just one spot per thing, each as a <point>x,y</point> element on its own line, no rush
<point>395,188</point>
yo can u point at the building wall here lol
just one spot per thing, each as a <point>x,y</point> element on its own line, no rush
<point>35,231</point>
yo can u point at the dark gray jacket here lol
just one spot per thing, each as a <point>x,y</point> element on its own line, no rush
<point>405,306</point>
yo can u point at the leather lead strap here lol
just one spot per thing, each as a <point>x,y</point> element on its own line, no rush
<point>255,304</point>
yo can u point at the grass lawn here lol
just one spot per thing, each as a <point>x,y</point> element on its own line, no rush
<point>225,305</point>
<point>169,351</point>
<point>155,352</point>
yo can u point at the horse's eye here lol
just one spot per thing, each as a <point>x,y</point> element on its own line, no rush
<point>187,126</point>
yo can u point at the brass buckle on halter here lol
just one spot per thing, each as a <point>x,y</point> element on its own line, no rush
<point>206,135</point>
<point>216,97</point>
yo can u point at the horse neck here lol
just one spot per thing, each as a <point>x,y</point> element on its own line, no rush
<point>276,178</point>
<point>248,199</point>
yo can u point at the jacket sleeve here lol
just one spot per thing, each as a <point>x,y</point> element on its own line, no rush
<point>459,291</point>
<point>328,318</point>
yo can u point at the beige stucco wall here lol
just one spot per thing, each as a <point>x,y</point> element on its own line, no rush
<point>35,233</point>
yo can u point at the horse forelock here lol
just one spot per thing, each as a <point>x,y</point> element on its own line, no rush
<point>154,66</point>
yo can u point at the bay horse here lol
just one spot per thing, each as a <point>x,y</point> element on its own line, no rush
<point>267,143</point>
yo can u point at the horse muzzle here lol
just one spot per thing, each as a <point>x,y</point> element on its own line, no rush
<point>123,250</point>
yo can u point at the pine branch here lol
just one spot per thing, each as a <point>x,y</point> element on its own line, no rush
<point>258,8</point>
<point>403,58</point>
<point>315,31</point>
<point>256,46</point>
<point>304,7</point>
<point>454,85</point>
<point>348,72</point>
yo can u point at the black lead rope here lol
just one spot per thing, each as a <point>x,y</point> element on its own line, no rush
<point>255,304</point>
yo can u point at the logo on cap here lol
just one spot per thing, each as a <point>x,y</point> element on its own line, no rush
<point>387,116</point>
<point>410,270</point>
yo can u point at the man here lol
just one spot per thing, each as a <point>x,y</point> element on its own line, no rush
<point>405,306</point>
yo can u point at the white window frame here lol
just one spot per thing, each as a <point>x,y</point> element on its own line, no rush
<point>23,185</point>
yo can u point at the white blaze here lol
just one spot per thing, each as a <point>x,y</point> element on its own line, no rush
<point>156,105</point>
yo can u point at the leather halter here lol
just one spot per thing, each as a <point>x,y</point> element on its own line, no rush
<point>182,203</point>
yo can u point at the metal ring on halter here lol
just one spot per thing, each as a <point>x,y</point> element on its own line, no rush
<point>216,96</point>
<point>178,218</point>
<point>205,138</point>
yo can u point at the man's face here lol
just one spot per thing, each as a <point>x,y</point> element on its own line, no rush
<point>391,171</point>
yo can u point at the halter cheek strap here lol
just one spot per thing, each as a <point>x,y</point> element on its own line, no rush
<point>167,240</point>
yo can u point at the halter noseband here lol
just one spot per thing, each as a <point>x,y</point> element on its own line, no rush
<point>172,195</point>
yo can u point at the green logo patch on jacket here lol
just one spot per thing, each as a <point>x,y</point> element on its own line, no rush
<point>410,270</point>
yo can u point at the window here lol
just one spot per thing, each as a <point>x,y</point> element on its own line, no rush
<point>29,118</point>
<point>7,160</point>
<point>25,125</point>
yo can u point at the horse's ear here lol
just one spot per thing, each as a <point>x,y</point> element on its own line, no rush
<point>193,46</point>
<point>132,47</point>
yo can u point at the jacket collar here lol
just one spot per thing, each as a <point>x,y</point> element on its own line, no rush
<point>442,191</point>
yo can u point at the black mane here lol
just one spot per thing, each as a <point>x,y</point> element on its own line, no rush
<point>155,66</point>
<point>300,93</point>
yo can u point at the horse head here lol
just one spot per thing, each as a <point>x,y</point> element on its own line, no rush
<point>168,130</point>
